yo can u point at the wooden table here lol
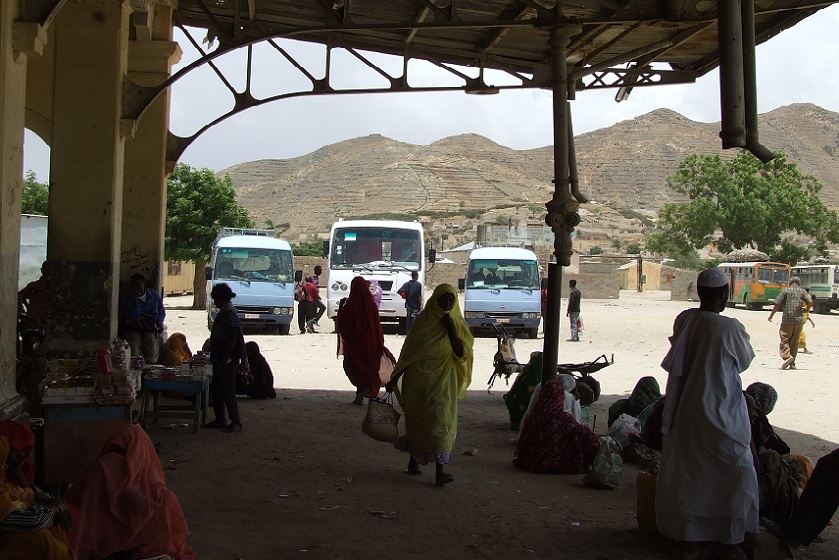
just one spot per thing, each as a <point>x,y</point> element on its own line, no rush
<point>196,411</point>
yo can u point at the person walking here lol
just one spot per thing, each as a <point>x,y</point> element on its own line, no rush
<point>707,488</point>
<point>792,302</point>
<point>432,374</point>
<point>314,306</point>
<point>228,354</point>
<point>573,312</point>
<point>411,292</point>
<point>318,307</point>
<point>367,361</point>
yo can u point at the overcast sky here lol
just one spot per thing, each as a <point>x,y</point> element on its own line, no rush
<point>799,65</point>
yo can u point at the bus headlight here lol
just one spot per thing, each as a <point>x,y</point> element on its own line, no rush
<point>277,311</point>
<point>340,287</point>
<point>529,315</point>
<point>475,315</point>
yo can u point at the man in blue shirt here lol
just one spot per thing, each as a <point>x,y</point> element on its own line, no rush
<point>411,292</point>
<point>141,316</point>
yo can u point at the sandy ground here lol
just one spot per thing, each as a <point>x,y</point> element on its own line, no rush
<point>303,481</point>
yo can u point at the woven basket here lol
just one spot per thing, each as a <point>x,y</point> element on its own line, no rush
<point>382,420</point>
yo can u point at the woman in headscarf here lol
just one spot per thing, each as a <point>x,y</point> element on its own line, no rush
<point>646,392</point>
<point>763,433</point>
<point>519,396</point>
<point>176,350</point>
<point>261,384</point>
<point>367,362</point>
<point>376,290</point>
<point>432,374</point>
<point>551,440</point>
<point>125,506</point>
<point>33,524</point>
<point>571,404</point>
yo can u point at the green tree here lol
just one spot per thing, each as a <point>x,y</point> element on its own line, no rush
<point>633,249</point>
<point>616,244</point>
<point>536,209</point>
<point>596,250</point>
<point>34,198</point>
<point>742,203</point>
<point>308,249</point>
<point>198,205</point>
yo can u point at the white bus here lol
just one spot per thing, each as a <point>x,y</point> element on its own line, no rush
<point>385,250</point>
<point>823,281</point>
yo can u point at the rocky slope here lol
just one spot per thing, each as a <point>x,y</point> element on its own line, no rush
<point>463,180</point>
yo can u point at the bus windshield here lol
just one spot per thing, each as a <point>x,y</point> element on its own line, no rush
<point>502,273</point>
<point>253,264</point>
<point>376,248</point>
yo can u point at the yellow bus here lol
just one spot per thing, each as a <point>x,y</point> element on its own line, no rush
<point>755,284</point>
<point>823,281</point>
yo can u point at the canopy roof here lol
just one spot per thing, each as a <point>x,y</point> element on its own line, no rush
<point>508,35</point>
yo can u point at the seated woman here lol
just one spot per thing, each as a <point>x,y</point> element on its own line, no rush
<point>765,397</point>
<point>176,351</point>
<point>646,392</point>
<point>125,506</point>
<point>518,397</point>
<point>551,440</point>
<point>33,524</point>
<point>261,385</point>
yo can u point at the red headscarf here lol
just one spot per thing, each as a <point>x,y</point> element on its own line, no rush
<point>124,503</point>
<point>20,437</point>
<point>362,338</point>
<point>551,440</point>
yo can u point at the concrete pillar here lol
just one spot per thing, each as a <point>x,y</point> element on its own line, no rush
<point>86,173</point>
<point>150,58</point>
<point>18,41</point>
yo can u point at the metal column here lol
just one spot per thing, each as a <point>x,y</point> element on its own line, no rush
<point>562,214</point>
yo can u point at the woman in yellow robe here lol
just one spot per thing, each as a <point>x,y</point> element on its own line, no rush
<point>177,350</point>
<point>432,374</point>
<point>29,526</point>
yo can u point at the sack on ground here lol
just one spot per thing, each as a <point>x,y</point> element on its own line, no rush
<point>607,467</point>
<point>382,420</point>
<point>625,429</point>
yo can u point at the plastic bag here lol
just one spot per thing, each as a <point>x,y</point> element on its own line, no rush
<point>607,467</point>
<point>625,429</point>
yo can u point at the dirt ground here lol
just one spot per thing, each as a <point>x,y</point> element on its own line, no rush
<point>302,481</point>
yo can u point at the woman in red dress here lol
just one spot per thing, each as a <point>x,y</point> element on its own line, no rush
<point>367,362</point>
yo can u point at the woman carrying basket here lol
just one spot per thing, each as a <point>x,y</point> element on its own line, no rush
<point>432,374</point>
<point>367,361</point>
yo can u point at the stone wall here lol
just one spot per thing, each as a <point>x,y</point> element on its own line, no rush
<point>683,286</point>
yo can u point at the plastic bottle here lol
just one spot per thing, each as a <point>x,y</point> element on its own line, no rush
<point>126,357</point>
<point>103,361</point>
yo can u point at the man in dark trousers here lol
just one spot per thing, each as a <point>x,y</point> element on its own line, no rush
<point>411,292</point>
<point>319,307</point>
<point>573,312</point>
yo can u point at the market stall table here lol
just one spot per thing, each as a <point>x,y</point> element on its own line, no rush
<point>196,411</point>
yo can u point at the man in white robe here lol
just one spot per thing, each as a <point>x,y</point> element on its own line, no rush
<point>707,492</point>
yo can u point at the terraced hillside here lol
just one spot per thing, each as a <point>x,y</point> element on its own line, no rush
<point>451,181</point>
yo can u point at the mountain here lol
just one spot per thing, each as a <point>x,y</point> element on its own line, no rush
<point>463,180</point>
